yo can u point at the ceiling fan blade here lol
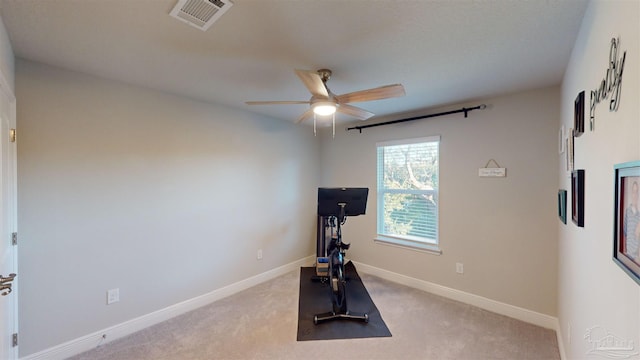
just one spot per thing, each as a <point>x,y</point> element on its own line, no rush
<point>354,111</point>
<point>305,115</point>
<point>275,102</point>
<point>313,82</point>
<point>382,92</point>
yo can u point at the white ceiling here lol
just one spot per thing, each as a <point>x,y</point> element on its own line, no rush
<point>443,52</point>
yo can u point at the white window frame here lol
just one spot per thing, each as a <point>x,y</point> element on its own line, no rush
<point>406,241</point>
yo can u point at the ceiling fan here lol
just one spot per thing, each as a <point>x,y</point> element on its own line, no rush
<point>324,102</point>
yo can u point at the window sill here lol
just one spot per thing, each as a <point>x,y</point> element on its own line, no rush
<point>409,245</point>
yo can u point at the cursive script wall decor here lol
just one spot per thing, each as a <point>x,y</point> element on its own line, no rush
<point>610,85</point>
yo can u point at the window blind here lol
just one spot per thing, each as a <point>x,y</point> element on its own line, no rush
<point>407,180</point>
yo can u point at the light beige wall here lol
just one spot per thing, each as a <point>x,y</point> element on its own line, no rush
<point>504,230</point>
<point>7,62</point>
<point>162,197</point>
<point>593,291</point>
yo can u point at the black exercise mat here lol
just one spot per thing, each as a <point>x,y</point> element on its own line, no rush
<point>315,298</point>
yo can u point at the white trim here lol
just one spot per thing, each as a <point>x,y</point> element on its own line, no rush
<point>561,349</point>
<point>425,247</point>
<point>498,307</point>
<point>88,342</point>
<point>95,339</point>
<point>433,138</point>
<point>11,215</point>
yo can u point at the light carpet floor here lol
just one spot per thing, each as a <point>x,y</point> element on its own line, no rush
<point>261,323</point>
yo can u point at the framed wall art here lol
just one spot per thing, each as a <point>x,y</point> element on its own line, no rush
<point>577,197</point>
<point>578,115</point>
<point>569,150</point>
<point>626,236</point>
<point>562,205</point>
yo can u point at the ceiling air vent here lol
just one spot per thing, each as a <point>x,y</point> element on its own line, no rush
<point>200,13</point>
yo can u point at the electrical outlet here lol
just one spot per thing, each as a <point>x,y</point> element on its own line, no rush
<point>113,296</point>
<point>259,256</point>
<point>459,268</point>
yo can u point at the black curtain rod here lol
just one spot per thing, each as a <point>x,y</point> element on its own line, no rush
<point>464,110</point>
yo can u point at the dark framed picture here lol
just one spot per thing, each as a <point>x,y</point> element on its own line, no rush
<point>562,205</point>
<point>626,236</point>
<point>577,197</point>
<point>578,115</point>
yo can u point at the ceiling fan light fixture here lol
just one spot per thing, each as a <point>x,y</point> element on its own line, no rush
<point>324,108</point>
<point>324,103</point>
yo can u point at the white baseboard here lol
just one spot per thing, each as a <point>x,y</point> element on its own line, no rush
<point>91,341</point>
<point>563,354</point>
<point>97,338</point>
<point>498,307</point>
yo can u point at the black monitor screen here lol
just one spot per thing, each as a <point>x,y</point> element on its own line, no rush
<point>330,200</point>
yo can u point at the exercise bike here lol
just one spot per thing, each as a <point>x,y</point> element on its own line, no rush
<point>334,205</point>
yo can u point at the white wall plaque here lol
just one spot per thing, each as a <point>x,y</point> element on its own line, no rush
<point>492,172</point>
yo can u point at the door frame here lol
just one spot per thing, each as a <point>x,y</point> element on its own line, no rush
<point>12,215</point>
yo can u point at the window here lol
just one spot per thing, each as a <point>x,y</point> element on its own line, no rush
<point>408,193</point>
